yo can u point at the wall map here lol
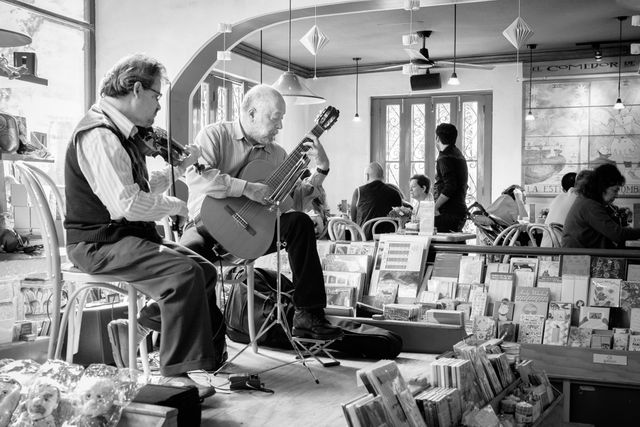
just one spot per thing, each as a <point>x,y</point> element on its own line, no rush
<point>577,128</point>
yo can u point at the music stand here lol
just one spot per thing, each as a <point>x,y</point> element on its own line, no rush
<point>304,347</point>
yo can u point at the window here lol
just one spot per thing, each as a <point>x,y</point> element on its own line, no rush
<point>62,51</point>
<point>218,99</point>
<point>404,132</point>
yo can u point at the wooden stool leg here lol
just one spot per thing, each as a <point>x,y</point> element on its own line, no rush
<point>249,271</point>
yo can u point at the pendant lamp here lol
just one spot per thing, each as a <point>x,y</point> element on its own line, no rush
<point>356,118</point>
<point>290,87</point>
<point>530,115</point>
<point>619,105</point>
<point>453,80</point>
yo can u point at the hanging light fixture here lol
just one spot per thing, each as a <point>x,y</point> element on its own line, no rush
<point>619,105</point>
<point>356,118</point>
<point>290,86</point>
<point>597,52</point>
<point>530,115</point>
<point>453,80</point>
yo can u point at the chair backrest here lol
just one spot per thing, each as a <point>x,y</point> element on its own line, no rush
<point>32,178</point>
<point>373,224</point>
<point>555,234</point>
<point>337,228</point>
<point>509,236</point>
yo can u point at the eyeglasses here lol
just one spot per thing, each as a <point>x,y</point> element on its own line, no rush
<point>158,94</point>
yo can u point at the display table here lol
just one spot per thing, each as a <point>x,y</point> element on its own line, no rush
<point>595,383</point>
<point>452,237</point>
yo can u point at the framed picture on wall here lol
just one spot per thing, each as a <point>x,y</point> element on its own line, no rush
<point>576,128</point>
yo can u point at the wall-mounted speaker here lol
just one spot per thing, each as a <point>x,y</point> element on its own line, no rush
<point>25,58</point>
<point>425,81</point>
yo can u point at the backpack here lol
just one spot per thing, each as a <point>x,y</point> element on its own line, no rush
<point>265,291</point>
<point>368,341</point>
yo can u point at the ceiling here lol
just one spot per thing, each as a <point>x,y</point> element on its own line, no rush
<point>563,29</point>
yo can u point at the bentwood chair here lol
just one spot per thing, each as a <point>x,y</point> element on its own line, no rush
<point>374,223</point>
<point>338,227</point>
<point>80,283</point>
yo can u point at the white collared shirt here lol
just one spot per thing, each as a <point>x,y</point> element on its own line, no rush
<point>107,168</point>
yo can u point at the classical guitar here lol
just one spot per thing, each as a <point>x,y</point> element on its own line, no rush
<point>243,228</point>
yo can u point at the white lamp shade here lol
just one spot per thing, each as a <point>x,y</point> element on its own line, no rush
<point>294,90</point>
<point>618,105</point>
<point>518,32</point>
<point>314,40</point>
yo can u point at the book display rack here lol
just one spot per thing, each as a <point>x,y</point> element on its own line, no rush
<point>474,385</point>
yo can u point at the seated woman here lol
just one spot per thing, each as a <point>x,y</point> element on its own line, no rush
<point>590,223</point>
<point>419,190</point>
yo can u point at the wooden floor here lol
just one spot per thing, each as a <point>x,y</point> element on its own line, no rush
<point>297,400</point>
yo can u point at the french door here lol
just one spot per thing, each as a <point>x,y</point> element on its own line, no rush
<point>403,137</point>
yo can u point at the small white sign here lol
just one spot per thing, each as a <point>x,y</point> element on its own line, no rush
<point>610,359</point>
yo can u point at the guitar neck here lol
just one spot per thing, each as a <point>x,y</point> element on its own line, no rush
<point>298,154</point>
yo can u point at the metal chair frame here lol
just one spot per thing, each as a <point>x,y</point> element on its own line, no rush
<point>33,179</point>
<point>338,226</point>
<point>373,223</point>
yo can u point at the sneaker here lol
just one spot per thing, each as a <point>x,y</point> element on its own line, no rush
<point>313,324</point>
<point>118,331</point>
<point>204,390</point>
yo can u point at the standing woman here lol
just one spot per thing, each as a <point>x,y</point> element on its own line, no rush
<point>589,223</point>
<point>419,190</point>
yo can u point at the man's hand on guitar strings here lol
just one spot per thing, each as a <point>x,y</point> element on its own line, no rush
<point>316,150</point>
<point>256,191</point>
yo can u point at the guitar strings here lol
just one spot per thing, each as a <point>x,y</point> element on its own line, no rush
<point>282,171</point>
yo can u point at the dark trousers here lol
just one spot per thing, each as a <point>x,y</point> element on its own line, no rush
<point>446,222</point>
<point>298,235</point>
<point>183,285</point>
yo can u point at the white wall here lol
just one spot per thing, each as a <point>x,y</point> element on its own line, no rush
<point>349,143</point>
<point>173,31</point>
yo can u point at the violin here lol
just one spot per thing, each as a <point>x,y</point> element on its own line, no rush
<point>155,140</point>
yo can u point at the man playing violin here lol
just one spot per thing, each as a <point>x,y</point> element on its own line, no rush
<point>111,205</point>
<point>226,148</point>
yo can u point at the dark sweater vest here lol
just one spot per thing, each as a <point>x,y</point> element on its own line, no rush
<point>87,218</point>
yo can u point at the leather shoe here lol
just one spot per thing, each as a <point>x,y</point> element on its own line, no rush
<point>313,324</point>
<point>118,331</point>
<point>204,391</point>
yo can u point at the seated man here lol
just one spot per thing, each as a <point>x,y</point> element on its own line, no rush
<point>374,199</point>
<point>112,203</point>
<point>227,147</point>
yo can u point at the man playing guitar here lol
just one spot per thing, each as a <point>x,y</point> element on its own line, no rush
<point>226,148</point>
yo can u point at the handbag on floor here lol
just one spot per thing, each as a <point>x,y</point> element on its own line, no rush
<point>265,291</point>
<point>367,341</point>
